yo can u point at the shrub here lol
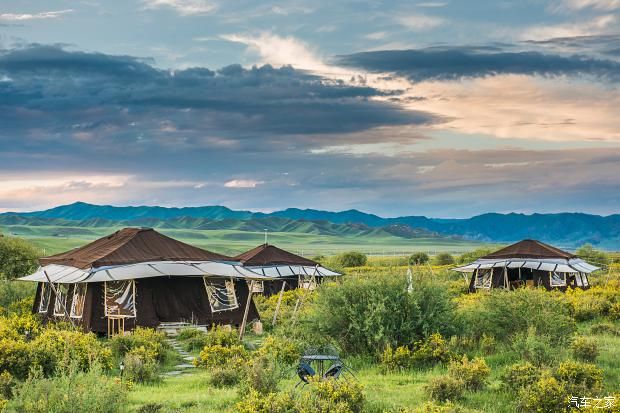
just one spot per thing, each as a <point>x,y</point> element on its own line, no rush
<point>282,350</point>
<point>366,314</point>
<point>432,350</point>
<point>519,376</point>
<point>605,328</point>
<point>487,344</point>
<point>502,314</point>
<point>141,365</point>
<point>443,388</point>
<point>443,259</point>
<point>533,347</point>
<point>474,373</point>
<point>151,408</point>
<point>473,255</point>
<point>219,335</point>
<point>187,333</point>
<point>614,311</point>
<point>70,392</point>
<point>16,358</point>
<point>418,258</point>
<point>153,341</point>
<point>6,385</point>
<point>326,396</point>
<point>396,360</point>
<point>54,349</point>
<point>254,402</point>
<point>224,377</point>
<point>545,395</point>
<point>20,327</point>
<point>351,259</point>
<point>591,255</point>
<point>580,377</point>
<point>263,375</point>
<point>587,304</point>
<point>219,356</point>
<point>585,348</point>
<point>17,258</point>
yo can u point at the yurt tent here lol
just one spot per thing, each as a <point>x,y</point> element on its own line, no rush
<point>139,277</point>
<point>283,268</point>
<point>528,262</point>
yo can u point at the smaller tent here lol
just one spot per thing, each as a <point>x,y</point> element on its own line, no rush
<point>281,267</point>
<point>140,277</point>
<point>528,262</point>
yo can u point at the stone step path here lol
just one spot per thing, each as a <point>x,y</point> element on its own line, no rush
<point>187,358</point>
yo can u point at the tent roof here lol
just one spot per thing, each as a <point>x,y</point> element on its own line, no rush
<point>266,254</point>
<point>529,248</point>
<point>130,246</point>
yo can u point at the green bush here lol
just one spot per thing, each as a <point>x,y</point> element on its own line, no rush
<point>350,259</point>
<point>6,385</point>
<point>614,311</point>
<point>579,378</point>
<point>285,351</point>
<point>17,258</point>
<point>141,366</point>
<point>430,351</point>
<point>474,373</point>
<point>418,258</point>
<point>261,374</point>
<point>70,392</point>
<point>217,356</point>
<point>443,259</point>
<point>443,388</point>
<point>152,340</point>
<point>396,360</point>
<point>545,395</point>
<point>14,294</point>
<point>473,255</point>
<point>588,253</point>
<point>533,347</point>
<point>605,328</point>
<point>16,357</point>
<point>370,313</point>
<point>502,314</point>
<point>254,402</point>
<point>187,333</point>
<point>519,376</point>
<point>327,396</point>
<point>585,348</point>
<point>220,335</point>
<point>151,408</point>
<point>224,377</point>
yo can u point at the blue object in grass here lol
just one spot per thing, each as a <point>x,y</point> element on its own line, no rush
<point>304,370</point>
<point>334,371</point>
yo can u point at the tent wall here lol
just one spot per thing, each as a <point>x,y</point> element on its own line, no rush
<point>526,276</point>
<point>161,299</point>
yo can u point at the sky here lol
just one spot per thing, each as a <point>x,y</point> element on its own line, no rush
<point>446,108</point>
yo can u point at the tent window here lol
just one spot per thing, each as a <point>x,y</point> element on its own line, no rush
<point>257,286</point>
<point>221,293</point>
<point>307,282</point>
<point>79,297</point>
<point>120,298</point>
<point>60,305</point>
<point>557,279</point>
<point>483,278</point>
<point>46,296</point>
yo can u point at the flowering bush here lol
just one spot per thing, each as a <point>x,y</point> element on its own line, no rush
<point>580,378</point>
<point>283,350</point>
<point>432,350</point>
<point>519,376</point>
<point>154,341</point>
<point>474,373</point>
<point>219,356</point>
<point>446,387</point>
<point>141,365</point>
<point>396,360</point>
<point>547,394</point>
<point>585,348</point>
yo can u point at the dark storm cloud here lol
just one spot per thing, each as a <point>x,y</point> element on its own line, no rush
<point>96,95</point>
<point>605,45</point>
<point>446,63</point>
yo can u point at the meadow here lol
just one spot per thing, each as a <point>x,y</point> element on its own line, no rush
<point>433,348</point>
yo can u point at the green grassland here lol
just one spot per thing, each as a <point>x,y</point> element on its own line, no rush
<point>53,239</point>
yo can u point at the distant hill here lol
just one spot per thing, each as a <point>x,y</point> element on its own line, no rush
<point>566,230</point>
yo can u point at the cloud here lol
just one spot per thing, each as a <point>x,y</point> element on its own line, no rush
<point>431,4</point>
<point>420,22</point>
<point>446,63</point>
<point>183,7</point>
<point>243,183</point>
<point>605,5</point>
<point>596,26</point>
<point>34,16</point>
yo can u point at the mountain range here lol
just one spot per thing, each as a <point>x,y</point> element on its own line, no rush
<point>563,229</point>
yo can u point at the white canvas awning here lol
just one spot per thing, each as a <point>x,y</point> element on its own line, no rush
<point>573,265</point>
<point>280,271</point>
<point>68,275</point>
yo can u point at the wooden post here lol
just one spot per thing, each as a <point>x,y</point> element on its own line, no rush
<point>247,310</point>
<point>64,307</point>
<point>275,313</point>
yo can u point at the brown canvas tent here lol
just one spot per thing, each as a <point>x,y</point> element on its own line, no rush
<point>144,278</point>
<point>528,262</point>
<point>282,267</point>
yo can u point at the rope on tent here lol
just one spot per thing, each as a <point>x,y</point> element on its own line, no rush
<point>64,304</point>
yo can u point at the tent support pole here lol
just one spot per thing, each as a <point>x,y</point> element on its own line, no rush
<point>301,300</point>
<point>275,313</point>
<point>64,306</point>
<point>247,310</point>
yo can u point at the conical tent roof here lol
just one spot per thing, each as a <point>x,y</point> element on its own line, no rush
<point>529,248</point>
<point>266,254</point>
<point>130,246</point>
